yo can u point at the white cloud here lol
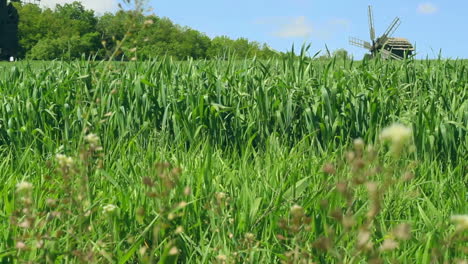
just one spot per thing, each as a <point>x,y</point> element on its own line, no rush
<point>297,27</point>
<point>427,8</point>
<point>340,23</point>
<point>100,6</point>
<point>302,27</point>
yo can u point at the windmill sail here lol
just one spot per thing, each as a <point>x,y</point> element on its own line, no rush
<point>392,28</point>
<point>371,24</point>
<point>360,43</point>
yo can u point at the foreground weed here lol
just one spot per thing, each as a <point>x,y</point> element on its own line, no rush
<point>163,190</point>
<point>61,226</point>
<point>361,223</point>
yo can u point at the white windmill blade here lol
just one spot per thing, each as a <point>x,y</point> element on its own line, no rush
<point>360,43</point>
<point>392,28</point>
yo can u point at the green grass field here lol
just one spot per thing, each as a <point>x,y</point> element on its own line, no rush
<point>292,161</point>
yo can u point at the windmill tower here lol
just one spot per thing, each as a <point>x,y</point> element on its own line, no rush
<point>385,46</point>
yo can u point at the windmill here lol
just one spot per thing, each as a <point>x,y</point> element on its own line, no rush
<point>385,46</point>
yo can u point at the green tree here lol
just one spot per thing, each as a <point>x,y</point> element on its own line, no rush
<point>66,32</point>
<point>69,31</point>
<point>220,47</point>
<point>241,47</point>
<point>33,26</point>
<point>114,27</point>
<point>65,47</point>
<point>76,18</point>
<point>341,54</point>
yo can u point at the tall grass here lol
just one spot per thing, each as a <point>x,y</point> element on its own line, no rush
<point>232,161</point>
<point>237,103</point>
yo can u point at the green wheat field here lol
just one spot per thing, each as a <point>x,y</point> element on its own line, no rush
<point>290,160</point>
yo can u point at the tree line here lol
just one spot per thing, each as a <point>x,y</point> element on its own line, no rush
<point>70,31</point>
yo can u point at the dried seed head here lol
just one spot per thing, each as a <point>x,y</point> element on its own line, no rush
<point>281,237</point>
<point>221,258</point>
<point>342,187</point>
<point>363,239</point>
<point>160,166</point>
<point>372,188</point>
<point>323,243</point>
<point>329,168</point>
<point>143,250</point>
<point>20,245</point>
<point>249,238</point>
<point>388,245</point>
<point>54,214</point>
<point>398,135</point>
<point>24,186</point>
<point>374,209</point>
<point>176,171</point>
<point>460,221</point>
<point>40,243</point>
<point>25,224</point>
<point>179,230</point>
<point>408,176</point>
<point>348,221</point>
<point>220,198</point>
<point>350,155</point>
<point>109,209</point>
<point>171,216</point>
<point>148,181</point>
<point>64,161</point>
<point>173,251</point>
<point>337,214</point>
<point>358,164</point>
<point>402,232</point>
<point>92,139</point>
<point>359,144</point>
<point>51,202</point>
<point>297,211</point>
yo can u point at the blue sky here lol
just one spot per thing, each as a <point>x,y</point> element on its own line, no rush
<point>430,25</point>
